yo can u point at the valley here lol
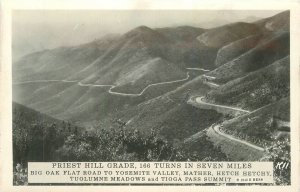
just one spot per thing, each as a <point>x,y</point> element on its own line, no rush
<point>173,93</point>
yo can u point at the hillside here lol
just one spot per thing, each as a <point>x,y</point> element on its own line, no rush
<point>234,150</point>
<point>130,63</point>
<point>256,89</point>
<point>58,63</point>
<point>38,137</point>
<point>152,71</point>
<point>173,119</point>
<point>189,89</point>
<point>265,53</point>
<point>181,33</point>
<point>130,51</point>
<point>236,48</point>
<point>83,104</point>
<point>34,134</point>
<point>279,22</point>
<point>260,126</point>
<point>220,36</point>
<point>23,113</point>
<point>185,49</point>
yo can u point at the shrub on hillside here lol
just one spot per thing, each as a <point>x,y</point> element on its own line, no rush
<point>279,154</point>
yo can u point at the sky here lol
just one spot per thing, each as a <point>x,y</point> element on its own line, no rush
<point>34,30</point>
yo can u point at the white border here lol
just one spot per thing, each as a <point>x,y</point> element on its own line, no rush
<point>5,82</point>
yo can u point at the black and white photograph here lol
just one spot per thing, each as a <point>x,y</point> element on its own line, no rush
<point>151,86</point>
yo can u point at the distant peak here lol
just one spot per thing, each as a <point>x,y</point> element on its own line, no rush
<point>143,27</point>
<point>141,30</point>
<point>284,14</point>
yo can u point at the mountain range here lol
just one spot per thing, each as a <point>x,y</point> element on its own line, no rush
<point>147,77</point>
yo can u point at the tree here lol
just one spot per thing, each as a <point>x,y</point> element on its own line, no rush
<point>279,152</point>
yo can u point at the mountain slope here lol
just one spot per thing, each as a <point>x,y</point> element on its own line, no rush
<point>260,56</point>
<point>256,89</point>
<point>236,48</point>
<point>220,36</point>
<point>30,116</point>
<point>58,63</point>
<point>143,58</point>
<point>34,134</point>
<point>83,104</point>
<point>129,60</point>
<point>134,80</point>
<point>186,50</point>
<point>173,119</point>
<point>132,50</point>
<point>276,23</point>
<point>259,126</point>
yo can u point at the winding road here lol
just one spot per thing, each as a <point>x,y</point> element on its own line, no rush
<point>199,100</point>
<point>211,84</point>
<point>216,127</point>
<point>209,77</point>
<point>198,69</point>
<point>111,86</point>
<point>150,85</point>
